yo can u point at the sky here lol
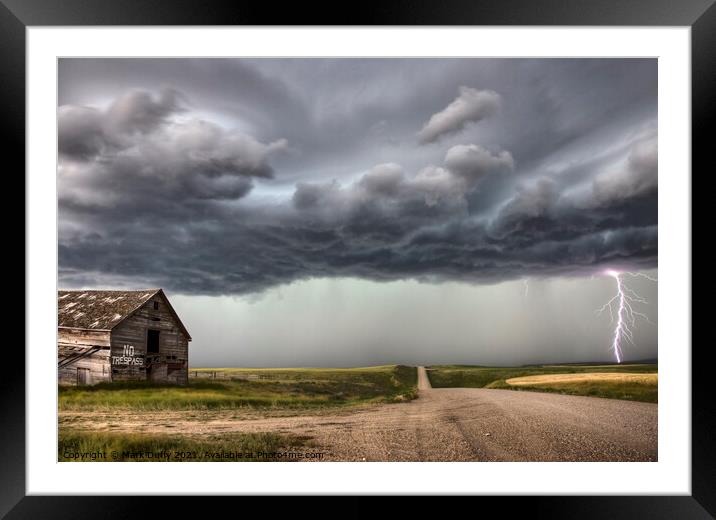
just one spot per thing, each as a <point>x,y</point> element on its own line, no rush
<point>343,212</point>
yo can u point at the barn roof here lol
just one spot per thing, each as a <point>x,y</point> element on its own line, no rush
<point>103,310</point>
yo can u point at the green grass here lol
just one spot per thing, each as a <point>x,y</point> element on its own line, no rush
<point>76,446</point>
<point>456,376</point>
<point>283,388</point>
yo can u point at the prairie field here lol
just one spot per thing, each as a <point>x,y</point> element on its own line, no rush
<point>235,388</point>
<point>606,377</point>
<point>634,382</point>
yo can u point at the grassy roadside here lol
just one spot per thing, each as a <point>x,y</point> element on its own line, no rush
<point>77,446</point>
<point>282,388</point>
<point>455,376</point>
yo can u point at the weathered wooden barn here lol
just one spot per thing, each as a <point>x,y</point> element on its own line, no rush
<point>120,336</point>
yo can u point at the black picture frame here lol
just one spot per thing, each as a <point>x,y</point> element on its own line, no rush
<point>17,15</point>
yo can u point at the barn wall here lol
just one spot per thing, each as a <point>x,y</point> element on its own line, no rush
<point>130,360</point>
<point>81,337</point>
<point>97,363</point>
<point>71,342</point>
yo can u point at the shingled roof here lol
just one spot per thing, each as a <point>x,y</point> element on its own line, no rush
<point>98,310</point>
<point>104,310</point>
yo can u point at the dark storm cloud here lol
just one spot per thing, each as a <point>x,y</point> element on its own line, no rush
<point>132,159</point>
<point>85,132</point>
<point>387,193</point>
<point>347,114</point>
<point>638,176</point>
<point>207,187</point>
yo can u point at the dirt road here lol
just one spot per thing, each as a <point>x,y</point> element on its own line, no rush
<point>443,424</point>
<point>423,381</point>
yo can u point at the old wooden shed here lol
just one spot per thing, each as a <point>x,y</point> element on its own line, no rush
<point>120,336</point>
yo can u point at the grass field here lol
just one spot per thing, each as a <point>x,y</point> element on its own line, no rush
<point>278,388</point>
<point>76,446</point>
<point>637,382</point>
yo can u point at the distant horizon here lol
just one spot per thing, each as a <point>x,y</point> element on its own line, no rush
<point>589,363</point>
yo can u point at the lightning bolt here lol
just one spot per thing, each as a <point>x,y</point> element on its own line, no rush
<point>527,287</point>
<point>621,306</point>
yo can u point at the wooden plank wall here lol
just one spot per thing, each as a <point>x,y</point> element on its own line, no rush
<point>81,337</point>
<point>170,365</point>
<point>72,342</point>
<point>97,364</point>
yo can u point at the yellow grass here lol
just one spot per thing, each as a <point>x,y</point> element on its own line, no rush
<point>586,377</point>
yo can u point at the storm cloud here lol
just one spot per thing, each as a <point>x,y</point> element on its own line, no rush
<point>470,106</point>
<point>297,169</point>
<point>135,158</point>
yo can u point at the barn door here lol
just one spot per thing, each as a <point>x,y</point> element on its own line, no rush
<point>83,376</point>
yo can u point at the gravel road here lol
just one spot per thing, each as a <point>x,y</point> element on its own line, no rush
<point>423,381</point>
<point>443,424</point>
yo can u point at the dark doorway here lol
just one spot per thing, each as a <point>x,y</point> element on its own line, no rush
<point>153,341</point>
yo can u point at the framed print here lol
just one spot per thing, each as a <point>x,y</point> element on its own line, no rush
<point>414,255</point>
